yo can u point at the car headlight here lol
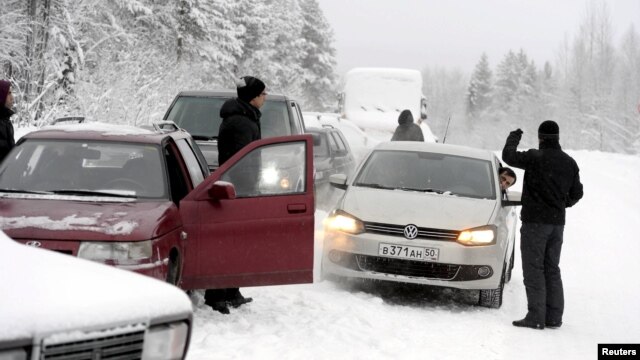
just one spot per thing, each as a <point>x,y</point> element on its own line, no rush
<point>167,341</point>
<point>118,253</point>
<point>484,235</point>
<point>342,221</point>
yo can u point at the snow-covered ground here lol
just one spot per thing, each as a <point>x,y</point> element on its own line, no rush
<point>325,320</point>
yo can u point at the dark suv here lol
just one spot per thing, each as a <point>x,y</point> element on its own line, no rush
<point>198,112</point>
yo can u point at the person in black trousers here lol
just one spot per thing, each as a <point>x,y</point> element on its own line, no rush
<point>240,126</point>
<point>551,184</point>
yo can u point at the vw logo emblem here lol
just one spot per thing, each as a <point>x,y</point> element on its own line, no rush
<point>34,243</point>
<point>410,231</point>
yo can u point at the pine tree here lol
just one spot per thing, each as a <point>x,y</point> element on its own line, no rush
<point>480,87</point>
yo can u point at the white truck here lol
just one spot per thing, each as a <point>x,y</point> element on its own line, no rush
<point>372,98</point>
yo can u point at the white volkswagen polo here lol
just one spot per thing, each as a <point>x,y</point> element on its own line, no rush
<point>424,213</point>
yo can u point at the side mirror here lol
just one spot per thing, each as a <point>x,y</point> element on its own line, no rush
<point>339,181</point>
<point>222,190</point>
<point>514,198</point>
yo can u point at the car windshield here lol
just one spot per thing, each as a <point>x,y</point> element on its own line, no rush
<point>200,116</point>
<point>85,168</point>
<point>428,172</point>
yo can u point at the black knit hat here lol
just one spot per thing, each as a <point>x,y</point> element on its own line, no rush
<point>249,87</point>
<point>4,90</point>
<point>549,129</point>
<point>405,117</point>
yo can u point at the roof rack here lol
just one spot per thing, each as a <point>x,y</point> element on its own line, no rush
<point>79,119</point>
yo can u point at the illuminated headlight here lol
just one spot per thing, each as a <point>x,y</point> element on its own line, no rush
<point>342,221</point>
<point>13,354</point>
<point>120,253</point>
<point>269,176</point>
<point>484,235</point>
<point>168,341</point>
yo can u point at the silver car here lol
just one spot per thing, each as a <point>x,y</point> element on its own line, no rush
<point>424,213</point>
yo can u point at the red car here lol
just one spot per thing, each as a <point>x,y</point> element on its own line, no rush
<point>143,200</point>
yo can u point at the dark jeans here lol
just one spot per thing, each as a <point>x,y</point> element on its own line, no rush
<point>540,245</point>
<point>218,295</point>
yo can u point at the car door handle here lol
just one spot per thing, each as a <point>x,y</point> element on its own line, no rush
<point>296,208</point>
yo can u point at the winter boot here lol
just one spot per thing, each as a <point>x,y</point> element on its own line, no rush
<point>236,299</point>
<point>529,323</point>
<point>220,306</point>
<point>239,301</point>
<point>553,324</point>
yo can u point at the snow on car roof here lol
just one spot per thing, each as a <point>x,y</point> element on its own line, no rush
<point>49,292</point>
<point>102,131</point>
<point>436,148</point>
<point>107,128</point>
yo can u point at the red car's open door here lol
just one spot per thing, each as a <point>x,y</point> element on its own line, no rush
<point>251,222</point>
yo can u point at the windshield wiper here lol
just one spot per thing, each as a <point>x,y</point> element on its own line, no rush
<point>26,191</point>
<point>92,193</point>
<point>421,190</point>
<point>375,186</point>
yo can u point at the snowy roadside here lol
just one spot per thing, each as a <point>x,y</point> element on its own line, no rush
<point>325,320</point>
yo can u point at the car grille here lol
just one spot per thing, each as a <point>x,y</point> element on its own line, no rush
<point>423,233</point>
<point>407,267</point>
<point>115,345</point>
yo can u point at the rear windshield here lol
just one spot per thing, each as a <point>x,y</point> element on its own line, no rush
<point>200,116</point>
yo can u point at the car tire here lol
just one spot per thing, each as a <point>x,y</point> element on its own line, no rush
<point>492,298</point>
<point>173,269</point>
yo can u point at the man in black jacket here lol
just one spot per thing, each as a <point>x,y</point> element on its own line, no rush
<point>7,141</point>
<point>240,126</point>
<point>551,184</point>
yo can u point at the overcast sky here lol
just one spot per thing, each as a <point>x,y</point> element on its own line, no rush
<point>454,33</point>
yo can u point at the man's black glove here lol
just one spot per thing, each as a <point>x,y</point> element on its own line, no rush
<point>516,133</point>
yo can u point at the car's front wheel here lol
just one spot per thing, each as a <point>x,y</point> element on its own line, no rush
<point>492,298</point>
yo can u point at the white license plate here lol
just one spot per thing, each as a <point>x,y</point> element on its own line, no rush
<point>408,252</point>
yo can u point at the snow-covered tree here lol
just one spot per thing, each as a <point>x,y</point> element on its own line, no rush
<point>318,61</point>
<point>480,87</point>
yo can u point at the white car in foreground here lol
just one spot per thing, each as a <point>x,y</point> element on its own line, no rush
<point>424,213</point>
<point>54,306</point>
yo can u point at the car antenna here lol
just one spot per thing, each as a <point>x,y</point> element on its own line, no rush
<point>444,138</point>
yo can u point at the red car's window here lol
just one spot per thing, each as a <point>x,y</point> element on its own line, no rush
<point>82,167</point>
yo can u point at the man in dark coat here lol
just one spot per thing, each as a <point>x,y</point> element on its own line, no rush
<point>240,126</point>
<point>551,184</point>
<point>407,130</point>
<point>7,141</point>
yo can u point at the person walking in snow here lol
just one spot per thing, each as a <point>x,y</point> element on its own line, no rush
<point>7,141</point>
<point>551,184</point>
<point>407,130</point>
<point>240,126</point>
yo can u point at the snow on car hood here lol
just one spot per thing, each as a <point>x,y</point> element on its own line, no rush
<point>93,221</point>
<point>422,209</point>
<point>44,292</point>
